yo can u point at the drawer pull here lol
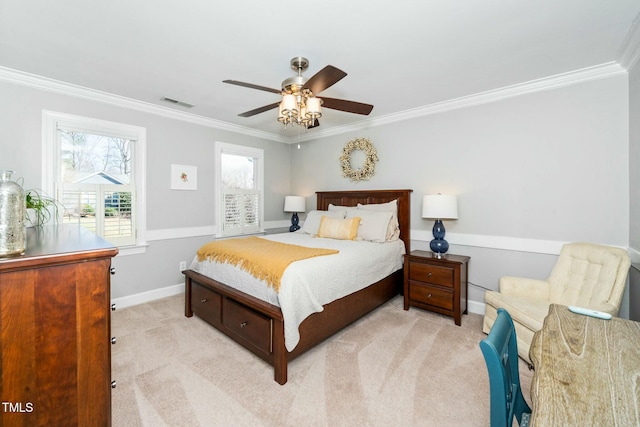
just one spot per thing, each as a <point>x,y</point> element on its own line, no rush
<point>429,296</point>
<point>243,324</point>
<point>203,300</point>
<point>113,384</point>
<point>113,340</point>
<point>430,274</point>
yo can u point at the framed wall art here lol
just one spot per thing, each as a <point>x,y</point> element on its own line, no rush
<point>184,177</point>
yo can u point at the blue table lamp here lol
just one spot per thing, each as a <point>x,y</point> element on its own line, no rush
<point>439,207</point>
<point>294,204</point>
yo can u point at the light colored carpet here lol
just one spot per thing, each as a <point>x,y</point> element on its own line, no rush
<point>391,368</point>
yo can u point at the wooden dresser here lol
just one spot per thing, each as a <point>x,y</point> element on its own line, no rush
<point>55,355</point>
<point>436,284</point>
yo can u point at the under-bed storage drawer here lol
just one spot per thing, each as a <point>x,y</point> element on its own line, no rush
<point>248,325</point>
<point>206,303</point>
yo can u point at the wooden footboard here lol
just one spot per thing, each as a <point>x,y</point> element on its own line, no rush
<point>251,322</point>
<point>259,326</point>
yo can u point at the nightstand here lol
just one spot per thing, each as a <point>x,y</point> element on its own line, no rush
<point>436,284</point>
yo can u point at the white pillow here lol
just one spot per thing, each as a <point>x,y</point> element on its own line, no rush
<point>393,231</point>
<point>341,208</point>
<point>373,225</point>
<point>312,221</point>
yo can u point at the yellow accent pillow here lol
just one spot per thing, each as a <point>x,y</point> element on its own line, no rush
<point>342,229</point>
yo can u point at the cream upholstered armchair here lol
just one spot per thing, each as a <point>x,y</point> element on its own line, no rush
<point>585,275</point>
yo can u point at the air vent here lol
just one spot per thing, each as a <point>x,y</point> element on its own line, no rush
<point>176,102</point>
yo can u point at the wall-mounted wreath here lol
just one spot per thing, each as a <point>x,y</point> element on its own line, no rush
<point>368,167</point>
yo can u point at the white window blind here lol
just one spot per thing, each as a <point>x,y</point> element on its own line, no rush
<point>241,211</point>
<point>104,209</point>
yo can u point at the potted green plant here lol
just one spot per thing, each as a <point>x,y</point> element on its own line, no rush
<point>39,208</point>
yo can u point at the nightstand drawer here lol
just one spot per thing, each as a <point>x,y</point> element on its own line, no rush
<point>431,295</point>
<point>430,273</point>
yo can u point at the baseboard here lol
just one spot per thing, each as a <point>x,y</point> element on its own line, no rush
<point>475,307</point>
<point>144,297</point>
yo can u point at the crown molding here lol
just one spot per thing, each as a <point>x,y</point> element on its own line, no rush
<point>629,53</point>
<point>552,82</point>
<point>632,52</point>
<point>50,85</point>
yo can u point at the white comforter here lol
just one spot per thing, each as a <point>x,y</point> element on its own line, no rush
<point>309,284</point>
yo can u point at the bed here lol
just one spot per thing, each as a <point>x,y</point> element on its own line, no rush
<point>259,326</point>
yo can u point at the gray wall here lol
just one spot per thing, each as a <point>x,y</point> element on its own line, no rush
<point>634,190</point>
<point>530,172</point>
<point>551,165</point>
<point>634,158</point>
<point>169,141</point>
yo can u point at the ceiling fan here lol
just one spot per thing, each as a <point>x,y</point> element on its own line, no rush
<point>299,104</point>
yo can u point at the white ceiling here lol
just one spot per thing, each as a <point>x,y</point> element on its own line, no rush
<point>399,55</point>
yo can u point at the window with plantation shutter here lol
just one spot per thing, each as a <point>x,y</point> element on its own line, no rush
<point>239,189</point>
<point>96,171</point>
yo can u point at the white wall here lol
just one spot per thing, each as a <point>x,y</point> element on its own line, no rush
<point>530,172</point>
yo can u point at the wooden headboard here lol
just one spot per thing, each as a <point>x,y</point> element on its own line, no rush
<point>353,197</point>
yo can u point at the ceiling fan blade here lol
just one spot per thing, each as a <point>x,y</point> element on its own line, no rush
<point>259,110</point>
<point>252,86</point>
<point>324,78</point>
<point>348,106</point>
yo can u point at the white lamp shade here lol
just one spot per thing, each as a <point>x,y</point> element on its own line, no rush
<point>313,107</point>
<point>289,104</point>
<point>294,204</point>
<point>439,206</point>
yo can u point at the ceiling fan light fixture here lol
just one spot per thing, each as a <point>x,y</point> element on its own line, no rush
<point>298,104</point>
<point>300,108</point>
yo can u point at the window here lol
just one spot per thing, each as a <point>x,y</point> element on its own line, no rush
<point>239,189</point>
<point>95,169</point>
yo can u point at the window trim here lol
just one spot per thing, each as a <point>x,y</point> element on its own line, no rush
<point>238,150</point>
<point>51,120</point>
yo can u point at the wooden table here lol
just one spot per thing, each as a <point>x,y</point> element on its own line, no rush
<point>587,371</point>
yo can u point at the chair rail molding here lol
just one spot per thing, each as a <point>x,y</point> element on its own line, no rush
<point>551,247</point>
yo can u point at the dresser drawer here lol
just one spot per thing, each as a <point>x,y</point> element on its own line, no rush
<point>431,295</point>
<point>206,303</point>
<point>438,275</point>
<point>248,325</point>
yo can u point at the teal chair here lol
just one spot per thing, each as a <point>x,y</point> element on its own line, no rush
<point>500,351</point>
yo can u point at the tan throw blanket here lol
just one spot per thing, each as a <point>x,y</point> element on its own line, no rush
<point>264,259</point>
